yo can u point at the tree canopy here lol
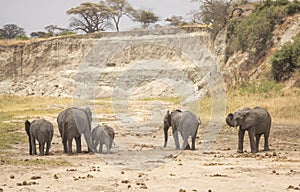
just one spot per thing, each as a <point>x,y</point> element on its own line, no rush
<point>119,8</point>
<point>90,17</point>
<point>11,31</point>
<point>145,17</point>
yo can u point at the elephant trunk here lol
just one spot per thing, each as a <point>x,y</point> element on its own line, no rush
<point>166,136</point>
<point>230,121</point>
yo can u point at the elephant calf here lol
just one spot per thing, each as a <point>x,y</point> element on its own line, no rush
<point>41,130</point>
<point>256,121</point>
<point>102,135</point>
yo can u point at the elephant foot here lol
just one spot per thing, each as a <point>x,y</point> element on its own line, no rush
<point>239,151</point>
<point>266,149</point>
<point>253,151</point>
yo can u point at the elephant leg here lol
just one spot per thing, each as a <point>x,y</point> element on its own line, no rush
<point>64,141</point>
<point>266,146</point>
<point>33,146</point>
<point>252,141</point>
<point>193,142</point>
<point>42,148</point>
<point>175,136</point>
<point>185,145</point>
<point>101,148</point>
<point>241,140</point>
<point>48,147</point>
<point>108,148</point>
<point>30,147</point>
<point>78,144</point>
<point>69,151</point>
<point>94,146</point>
<point>257,141</point>
<point>88,140</point>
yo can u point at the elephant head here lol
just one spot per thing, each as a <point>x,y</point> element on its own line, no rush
<point>167,124</point>
<point>240,118</point>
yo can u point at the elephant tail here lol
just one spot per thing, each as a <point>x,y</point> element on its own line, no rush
<point>199,120</point>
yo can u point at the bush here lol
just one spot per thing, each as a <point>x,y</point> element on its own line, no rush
<point>254,32</point>
<point>286,60</point>
<point>293,7</point>
<point>67,33</point>
<point>22,37</point>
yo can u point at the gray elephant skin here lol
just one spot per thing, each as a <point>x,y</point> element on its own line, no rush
<point>256,121</point>
<point>186,123</point>
<point>72,123</point>
<point>42,131</point>
<point>102,135</point>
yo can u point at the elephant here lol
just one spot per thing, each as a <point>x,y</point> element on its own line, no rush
<point>41,130</point>
<point>102,135</point>
<point>256,121</point>
<point>72,123</point>
<point>184,122</point>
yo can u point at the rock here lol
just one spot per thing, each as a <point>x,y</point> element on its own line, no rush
<point>35,177</point>
<point>125,181</point>
<point>11,176</point>
<point>55,176</point>
<point>89,176</point>
<point>182,190</point>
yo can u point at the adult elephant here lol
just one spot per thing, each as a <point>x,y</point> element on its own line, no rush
<point>184,122</point>
<point>256,121</point>
<point>42,131</point>
<point>72,123</point>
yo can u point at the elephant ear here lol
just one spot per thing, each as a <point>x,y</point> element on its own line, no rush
<point>249,119</point>
<point>27,127</point>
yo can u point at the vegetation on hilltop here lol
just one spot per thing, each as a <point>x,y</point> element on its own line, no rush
<point>253,33</point>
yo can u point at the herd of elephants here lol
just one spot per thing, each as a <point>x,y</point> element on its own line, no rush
<point>73,122</point>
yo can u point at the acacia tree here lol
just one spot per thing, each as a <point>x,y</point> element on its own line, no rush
<point>91,17</point>
<point>11,31</point>
<point>145,17</point>
<point>215,11</point>
<point>119,9</point>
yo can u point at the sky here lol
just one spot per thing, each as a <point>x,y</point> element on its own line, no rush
<point>35,15</point>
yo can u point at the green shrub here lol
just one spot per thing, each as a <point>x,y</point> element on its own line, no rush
<point>253,33</point>
<point>22,37</point>
<point>286,60</point>
<point>293,7</point>
<point>67,33</point>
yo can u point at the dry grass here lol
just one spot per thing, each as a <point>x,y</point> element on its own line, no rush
<point>284,106</point>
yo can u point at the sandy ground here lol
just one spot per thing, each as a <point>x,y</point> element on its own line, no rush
<point>138,162</point>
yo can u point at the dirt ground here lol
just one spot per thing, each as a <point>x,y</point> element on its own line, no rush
<point>138,162</point>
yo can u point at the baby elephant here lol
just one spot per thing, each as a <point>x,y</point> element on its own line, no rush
<point>102,135</point>
<point>41,130</point>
